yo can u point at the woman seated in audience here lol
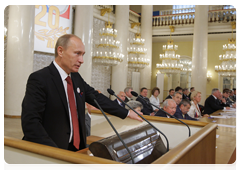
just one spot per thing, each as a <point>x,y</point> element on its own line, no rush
<point>194,110</point>
<point>136,105</point>
<point>154,98</point>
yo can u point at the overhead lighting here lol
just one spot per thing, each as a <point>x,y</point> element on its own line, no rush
<point>106,47</point>
<point>228,60</point>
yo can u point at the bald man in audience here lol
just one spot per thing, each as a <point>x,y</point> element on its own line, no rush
<point>122,96</point>
<point>169,106</point>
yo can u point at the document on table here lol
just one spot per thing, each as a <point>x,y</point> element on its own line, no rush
<point>231,126</point>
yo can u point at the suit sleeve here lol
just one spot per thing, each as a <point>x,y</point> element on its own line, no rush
<point>107,105</point>
<point>33,106</point>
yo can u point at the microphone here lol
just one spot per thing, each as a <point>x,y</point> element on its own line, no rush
<point>136,95</point>
<point>93,97</point>
<point>110,91</point>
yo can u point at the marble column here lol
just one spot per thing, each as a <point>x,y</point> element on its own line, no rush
<point>19,58</point>
<point>146,33</point>
<point>119,72</point>
<point>83,28</point>
<point>200,50</point>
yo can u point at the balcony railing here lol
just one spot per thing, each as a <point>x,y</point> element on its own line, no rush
<point>174,17</point>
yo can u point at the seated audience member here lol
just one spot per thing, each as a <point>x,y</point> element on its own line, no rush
<point>192,89</point>
<point>212,103</point>
<point>147,108</point>
<point>229,101</point>
<point>184,107</point>
<point>127,91</point>
<point>177,97</point>
<point>136,105</point>
<point>194,110</point>
<point>235,92</point>
<point>169,106</point>
<point>231,95</point>
<point>171,92</point>
<point>121,95</point>
<point>179,89</point>
<point>154,98</point>
<point>185,93</point>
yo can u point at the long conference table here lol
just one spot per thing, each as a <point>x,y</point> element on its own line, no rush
<point>226,135</point>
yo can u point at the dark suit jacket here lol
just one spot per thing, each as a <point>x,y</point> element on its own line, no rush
<point>126,100</point>
<point>123,104</point>
<point>45,113</point>
<point>161,113</point>
<point>185,97</point>
<point>147,108</point>
<point>169,97</point>
<point>189,96</point>
<point>179,114</point>
<point>211,105</point>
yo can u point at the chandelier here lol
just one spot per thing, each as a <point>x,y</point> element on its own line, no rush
<point>187,65</point>
<point>228,60</point>
<point>106,47</point>
<point>170,60</point>
<point>136,51</point>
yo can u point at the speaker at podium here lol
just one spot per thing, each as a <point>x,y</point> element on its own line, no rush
<point>144,143</point>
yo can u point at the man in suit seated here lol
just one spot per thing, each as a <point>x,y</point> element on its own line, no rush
<point>169,106</point>
<point>229,101</point>
<point>128,96</point>
<point>185,93</point>
<point>184,107</point>
<point>213,104</point>
<point>147,108</point>
<point>177,97</point>
<point>121,95</point>
<point>192,89</point>
<point>170,96</point>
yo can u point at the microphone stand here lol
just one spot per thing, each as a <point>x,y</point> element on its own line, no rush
<point>93,98</point>
<point>162,110</point>
<point>110,91</point>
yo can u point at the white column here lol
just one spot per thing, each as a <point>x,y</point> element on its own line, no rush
<point>200,50</point>
<point>146,33</point>
<point>169,81</point>
<point>119,72</point>
<point>84,29</point>
<point>19,59</point>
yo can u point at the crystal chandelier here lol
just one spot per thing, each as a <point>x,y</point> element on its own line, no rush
<point>228,60</point>
<point>106,47</point>
<point>170,60</point>
<point>136,52</point>
<point>187,65</point>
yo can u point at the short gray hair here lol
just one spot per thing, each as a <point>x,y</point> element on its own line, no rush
<point>165,103</point>
<point>184,102</point>
<point>134,104</point>
<point>176,92</point>
<point>127,89</point>
<point>214,90</point>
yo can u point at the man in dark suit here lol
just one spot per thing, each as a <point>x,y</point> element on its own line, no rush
<point>229,101</point>
<point>121,95</point>
<point>48,114</point>
<point>169,106</point>
<point>185,94</point>
<point>170,96</point>
<point>128,96</point>
<point>184,107</point>
<point>191,90</point>
<point>147,108</point>
<point>213,104</point>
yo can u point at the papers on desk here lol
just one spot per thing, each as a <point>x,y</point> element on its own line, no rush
<point>222,117</point>
<point>229,110</point>
<point>230,126</point>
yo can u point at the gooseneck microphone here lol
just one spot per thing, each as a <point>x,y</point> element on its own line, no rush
<point>110,91</point>
<point>93,97</point>
<point>136,95</point>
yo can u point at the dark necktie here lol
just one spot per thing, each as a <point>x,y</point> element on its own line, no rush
<point>73,109</point>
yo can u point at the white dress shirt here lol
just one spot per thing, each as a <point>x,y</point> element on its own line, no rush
<point>194,109</point>
<point>64,75</point>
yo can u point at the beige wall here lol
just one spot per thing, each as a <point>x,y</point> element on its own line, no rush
<point>185,48</point>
